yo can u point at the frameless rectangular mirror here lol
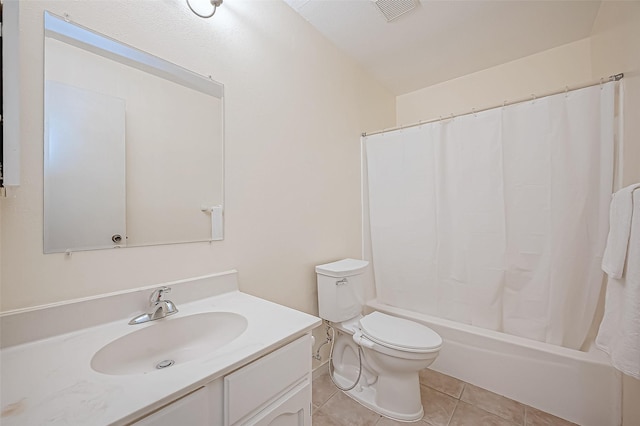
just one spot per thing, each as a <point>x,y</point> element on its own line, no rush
<point>133,145</point>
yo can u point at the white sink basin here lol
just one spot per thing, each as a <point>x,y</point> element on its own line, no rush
<point>180,340</point>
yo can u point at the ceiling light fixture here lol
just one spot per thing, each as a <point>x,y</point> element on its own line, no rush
<point>203,5</point>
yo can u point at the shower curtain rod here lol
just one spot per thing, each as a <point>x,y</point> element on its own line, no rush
<point>615,77</point>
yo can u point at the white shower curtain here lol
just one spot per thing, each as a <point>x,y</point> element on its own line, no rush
<point>497,219</point>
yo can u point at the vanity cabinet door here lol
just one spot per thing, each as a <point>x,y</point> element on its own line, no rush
<point>293,409</point>
<point>191,410</point>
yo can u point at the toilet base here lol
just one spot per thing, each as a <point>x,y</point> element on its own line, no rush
<point>366,396</point>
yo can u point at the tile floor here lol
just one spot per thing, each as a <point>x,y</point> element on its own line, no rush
<point>447,402</point>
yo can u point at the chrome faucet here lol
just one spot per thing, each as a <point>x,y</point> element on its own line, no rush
<point>158,307</point>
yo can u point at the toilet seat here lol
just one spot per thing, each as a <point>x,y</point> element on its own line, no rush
<point>399,334</point>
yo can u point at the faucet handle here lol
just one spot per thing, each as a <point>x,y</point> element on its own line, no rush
<point>158,294</point>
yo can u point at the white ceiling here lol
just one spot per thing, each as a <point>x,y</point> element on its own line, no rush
<point>441,40</point>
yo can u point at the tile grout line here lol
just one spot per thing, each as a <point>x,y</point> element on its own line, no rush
<point>464,386</point>
<point>453,412</point>
<point>327,400</point>
<point>458,399</point>
<point>325,403</point>
<point>328,413</point>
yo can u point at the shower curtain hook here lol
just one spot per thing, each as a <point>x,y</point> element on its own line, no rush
<point>504,103</point>
<point>533,98</point>
<point>601,82</point>
<point>473,111</point>
<point>566,91</point>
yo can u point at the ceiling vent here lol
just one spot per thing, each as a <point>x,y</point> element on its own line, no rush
<point>393,9</point>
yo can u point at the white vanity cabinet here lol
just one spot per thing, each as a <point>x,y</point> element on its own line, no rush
<point>274,390</point>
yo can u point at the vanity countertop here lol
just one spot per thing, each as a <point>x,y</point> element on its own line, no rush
<point>50,381</point>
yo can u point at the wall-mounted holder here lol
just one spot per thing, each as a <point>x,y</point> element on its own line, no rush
<point>217,227</point>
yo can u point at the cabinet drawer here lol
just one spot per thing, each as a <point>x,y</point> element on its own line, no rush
<point>190,410</point>
<point>266,379</point>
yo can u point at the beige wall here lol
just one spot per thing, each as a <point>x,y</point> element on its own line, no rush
<point>295,108</point>
<point>615,47</point>
<point>567,65</point>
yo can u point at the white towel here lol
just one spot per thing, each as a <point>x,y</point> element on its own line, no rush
<point>620,213</point>
<point>619,333</point>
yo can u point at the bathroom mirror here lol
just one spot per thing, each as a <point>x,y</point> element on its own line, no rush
<point>133,145</point>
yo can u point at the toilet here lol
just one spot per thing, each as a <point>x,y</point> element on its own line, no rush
<point>387,351</point>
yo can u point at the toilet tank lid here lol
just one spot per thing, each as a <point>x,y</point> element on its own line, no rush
<point>399,332</point>
<point>342,268</point>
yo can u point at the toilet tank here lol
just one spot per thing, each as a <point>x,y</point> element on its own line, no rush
<point>340,289</point>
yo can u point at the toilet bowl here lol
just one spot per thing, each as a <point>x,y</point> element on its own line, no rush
<point>394,349</point>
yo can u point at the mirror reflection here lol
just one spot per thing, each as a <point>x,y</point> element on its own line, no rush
<point>133,146</point>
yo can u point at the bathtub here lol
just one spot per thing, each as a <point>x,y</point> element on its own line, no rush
<point>578,386</point>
